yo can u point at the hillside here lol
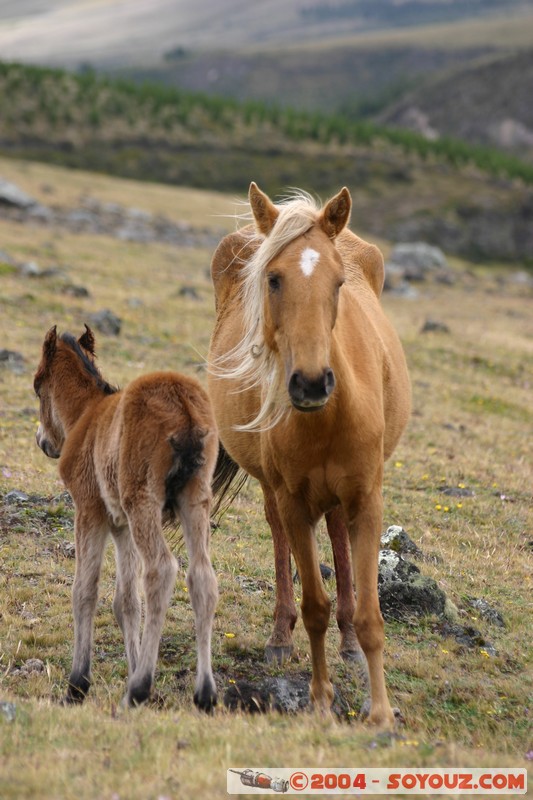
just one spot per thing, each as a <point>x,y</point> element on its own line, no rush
<point>499,89</point>
<point>136,32</point>
<point>472,201</point>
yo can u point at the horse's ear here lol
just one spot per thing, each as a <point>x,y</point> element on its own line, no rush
<point>336,213</point>
<point>49,344</point>
<point>86,340</point>
<point>264,211</point>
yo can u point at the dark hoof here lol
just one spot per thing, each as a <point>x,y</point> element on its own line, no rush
<point>139,692</point>
<point>276,654</point>
<point>206,698</point>
<point>72,700</point>
<point>78,687</point>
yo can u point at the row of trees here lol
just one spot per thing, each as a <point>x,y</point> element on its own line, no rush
<point>98,101</point>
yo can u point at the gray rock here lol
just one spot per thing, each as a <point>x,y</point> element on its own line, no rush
<point>434,326</point>
<point>487,612</point>
<point>285,695</point>
<point>418,256</point>
<point>12,360</point>
<point>190,292</point>
<point>466,636</point>
<point>15,496</point>
<point>395,538</point>
<point>456,491</point>
<point>72,290</point>
<point>11,195</point>
<point>32,666</point>
<point>404,592</point>
<point>106,322</point>
<point>30,269</point>
<point>8,710</point>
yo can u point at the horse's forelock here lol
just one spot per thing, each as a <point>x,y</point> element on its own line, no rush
<point>250,361</point>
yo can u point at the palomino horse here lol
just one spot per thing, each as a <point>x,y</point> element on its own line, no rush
<point>311,394</point>
<point>132,460</point>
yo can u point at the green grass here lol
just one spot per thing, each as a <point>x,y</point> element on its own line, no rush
<point>462,707</point>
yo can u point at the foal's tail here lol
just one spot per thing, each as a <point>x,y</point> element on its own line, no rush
<point>187,458</point>
<point>228,480</point>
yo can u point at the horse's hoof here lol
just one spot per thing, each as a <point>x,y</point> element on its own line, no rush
<point>277,654</point>
<point>71,700</point>
<point>205,698</point>
<point>384,721</point>
<point>138,692</point>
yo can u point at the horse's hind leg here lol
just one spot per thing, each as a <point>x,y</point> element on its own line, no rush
<point>194,509</point>
<point>159,578</point>
<point>340,543</point>
<point>91,534</point>
<point>127,601</point>
<point>279,646</point>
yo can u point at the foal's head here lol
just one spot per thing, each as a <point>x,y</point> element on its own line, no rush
<point>66,373</point>
<point>301,290</point>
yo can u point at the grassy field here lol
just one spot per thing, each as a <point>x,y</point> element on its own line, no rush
<point>471,427</point>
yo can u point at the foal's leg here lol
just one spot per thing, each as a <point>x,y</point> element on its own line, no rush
<point>315,601</point>
<point>90,534</point>
<point>340,543</point>
<point>159,578</point>
<point>279,646</point>
<point>195,505</point>
<point>365,530</point>
<point>127,602</point>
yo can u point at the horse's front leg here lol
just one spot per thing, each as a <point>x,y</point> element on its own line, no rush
<point>364,525</point>
<point>315,604</point>
<point>279,646</point>
<point>338,533</point>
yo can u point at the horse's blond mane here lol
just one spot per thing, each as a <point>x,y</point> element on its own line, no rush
<point>251,362</point>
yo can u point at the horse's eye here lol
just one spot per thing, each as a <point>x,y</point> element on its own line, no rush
<point>274,283</point>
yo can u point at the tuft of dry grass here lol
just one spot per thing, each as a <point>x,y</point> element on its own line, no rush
<point>470,428</point>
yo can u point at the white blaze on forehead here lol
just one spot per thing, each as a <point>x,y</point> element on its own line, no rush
<point>308,261</point>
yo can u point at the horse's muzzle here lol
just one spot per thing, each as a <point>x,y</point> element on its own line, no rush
<point>311,394</point>
<point>45,445</point>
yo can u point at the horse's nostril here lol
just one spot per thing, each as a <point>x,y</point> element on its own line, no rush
<point>297,384</point>
<point>329,382</point>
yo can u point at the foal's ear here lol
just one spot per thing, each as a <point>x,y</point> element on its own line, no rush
<point>86,340</point>
<point>49,344</point>
<point>264,211</point>
<point>336,213</point>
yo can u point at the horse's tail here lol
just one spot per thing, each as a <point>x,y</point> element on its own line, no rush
<point>187,458</point>
<point>228,480</point>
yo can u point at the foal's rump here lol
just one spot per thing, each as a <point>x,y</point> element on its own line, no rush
<point>167,437</point>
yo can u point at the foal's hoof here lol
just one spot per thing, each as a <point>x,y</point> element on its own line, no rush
<point>205,698</point>
<point>277,654</point>
<point>71,700</point>
<point>138,693</point>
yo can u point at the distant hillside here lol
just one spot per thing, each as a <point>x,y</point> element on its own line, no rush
<point>472,201</point>
<point>490,103</point>
<point>67,32</point>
